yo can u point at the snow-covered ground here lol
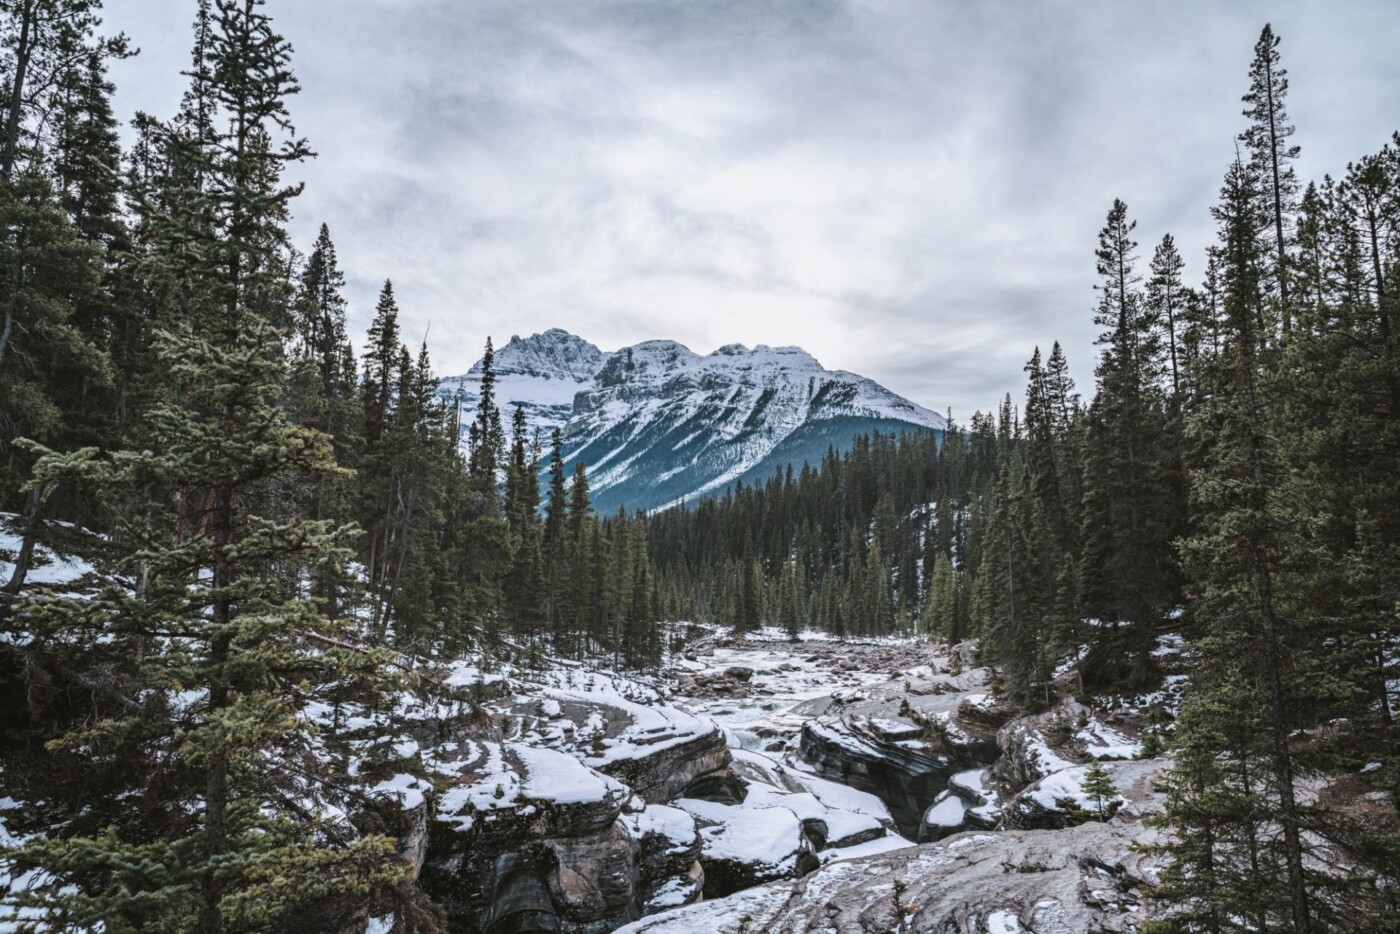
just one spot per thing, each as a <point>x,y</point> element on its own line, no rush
<point>50,568</point>
<point>794,689</point>
<point>785,684</point>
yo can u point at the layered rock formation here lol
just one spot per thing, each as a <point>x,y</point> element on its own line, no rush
<point>905,745</point>
<point>1085,878</point>
<point>550,814</point>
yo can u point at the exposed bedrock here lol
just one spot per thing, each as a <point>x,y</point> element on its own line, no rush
<point>898,753</point>
<point>1084,878</point>
<point>550,818</point>
<point>663,774</point>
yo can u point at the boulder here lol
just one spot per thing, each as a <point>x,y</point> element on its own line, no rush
<point>749,847</point>
<point>980,797</point>
<point>945,817</point>
<point>668,839</point>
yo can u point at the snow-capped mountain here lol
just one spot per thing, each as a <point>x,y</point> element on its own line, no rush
<point>658,424</point>
<point>541,373</point>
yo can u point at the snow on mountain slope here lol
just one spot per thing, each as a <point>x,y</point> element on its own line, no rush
<point>541,373</point>
<point>657,424</point>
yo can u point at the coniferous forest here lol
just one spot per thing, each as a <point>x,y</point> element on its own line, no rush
<point>279,515</point>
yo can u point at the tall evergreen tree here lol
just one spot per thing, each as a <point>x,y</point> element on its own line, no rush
<point>1272,158</point>
<point>1125,567</point>
<point>1165,295</point>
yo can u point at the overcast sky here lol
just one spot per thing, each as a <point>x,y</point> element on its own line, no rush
<point>909,190</point>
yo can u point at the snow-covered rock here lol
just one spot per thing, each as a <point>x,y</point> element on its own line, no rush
<point>1058,800</point>
<point>1084,878</point>
<point>619,727</point>
<point>744,847</point>
<point>905,745</point>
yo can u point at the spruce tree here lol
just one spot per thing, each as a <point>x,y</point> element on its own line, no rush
<point>212,542</point>
<point>1098,787</point>
<point>524,585</point>
<point>487,435</point>
<point>219,626</point>
<point>1272,158</point>
<point>1164,301</point>
<point>1235,556</point>
<point>1125,562</point>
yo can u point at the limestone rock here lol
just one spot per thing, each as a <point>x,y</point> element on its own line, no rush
<point>1085,878</point>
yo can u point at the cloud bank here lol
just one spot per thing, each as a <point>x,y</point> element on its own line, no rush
<point>909,190</point>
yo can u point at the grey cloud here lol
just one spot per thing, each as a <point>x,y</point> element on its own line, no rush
<point>909,189</point>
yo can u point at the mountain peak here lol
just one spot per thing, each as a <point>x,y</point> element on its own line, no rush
<point>551,354</point>
<point>762,356</point>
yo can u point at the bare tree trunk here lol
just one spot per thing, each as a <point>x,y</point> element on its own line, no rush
<point>25,559</point>
<point>24,51</point>
<point>1278,206</point>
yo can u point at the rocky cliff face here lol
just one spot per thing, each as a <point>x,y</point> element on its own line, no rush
<point>905,745</point>
<point>541,374</point>
<point>657,423</point>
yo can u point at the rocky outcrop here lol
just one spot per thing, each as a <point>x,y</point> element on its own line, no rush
<point>1071,734</point>
<point>665,772</point>
<point>1085,878</point>
<point>748,847</point>
<point>553,828</point>
<point>532,839</point>
<point>905,775</point>
<point>904,750</point>
<point>1058,800</point>
<point>972,802</point>
<point>620,729</point>
<point>567,825</point>
<point>668,858</point>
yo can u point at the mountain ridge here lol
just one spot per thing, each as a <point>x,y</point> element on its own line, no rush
<point>658,424</point>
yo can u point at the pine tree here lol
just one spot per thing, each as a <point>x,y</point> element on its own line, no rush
<point>1272,157</point>
<point>748,609</point>
<point>1235,555</point>
<point>940,615</point>
<point>1098,787</point>
<point>1124,567</point>
<point>1012,607</point>
<point>212,542</point>
<point>382,358</point>
<point>46,40</point>
<point>487,436</point>
<point>524,585</point>
<point>207,587</point>
<point>1164,301</point>
<point>580,551</point>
